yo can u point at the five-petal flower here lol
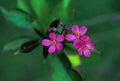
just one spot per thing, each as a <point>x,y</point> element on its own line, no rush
<point>54,42</point>
<point>86,49</point>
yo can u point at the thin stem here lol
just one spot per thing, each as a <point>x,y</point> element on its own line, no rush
<point>58,32</point>
<point>62,31</point>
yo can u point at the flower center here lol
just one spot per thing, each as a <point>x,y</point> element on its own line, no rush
<point>77,34</point>
<point>53,42</point>
<point>86,47</point>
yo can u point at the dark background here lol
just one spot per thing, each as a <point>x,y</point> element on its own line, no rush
<point>103,20</point>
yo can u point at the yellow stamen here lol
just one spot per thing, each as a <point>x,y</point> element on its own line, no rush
<point>53,42</point>
<point>86,47</point>
<point>77,33</point>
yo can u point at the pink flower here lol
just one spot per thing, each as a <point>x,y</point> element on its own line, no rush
<point>54,42</point>
<point>86,49</point>
<point>82,41</point>
<point>77,33</point>
<point>85,46</point>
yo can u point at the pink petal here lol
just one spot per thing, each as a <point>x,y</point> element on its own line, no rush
<point>59,46</point>
<point>52,36</point>
<point>80,51</point>
<point>52,49</point>
<point>91,46</point>
<point>60,38</point>
<point>70,37</point>
<point>46,42</point>
<point>85,38</point>
<point>83,30</point>
<point>87,53</point>
<point>77,43</point>
<point>80,45</point>
<point>75,28</point>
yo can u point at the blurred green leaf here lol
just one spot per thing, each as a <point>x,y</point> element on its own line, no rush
<point>74,59</point>
<point>40,7</point>
<point>22,5</point>
<point>14,45</point>
<point>37,25</point>
<point>66,3</point>
<point>18,17</point>
<point>62,10</point>
<point>62,70</point>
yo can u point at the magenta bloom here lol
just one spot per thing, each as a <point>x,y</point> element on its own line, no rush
<point>86,49</point>
<point>77,33</point>
<point>54,42</point>
<point>85,46</point>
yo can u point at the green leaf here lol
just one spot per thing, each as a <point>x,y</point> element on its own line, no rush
<point>74,59</point>
<point>22,5</point>
<point>62,70</point>
<point>40,7</point>
<point>66,3</point>
<point>37,25</point>
<point>62,11</point>
<point>14,45</point>
<point>17,17</point>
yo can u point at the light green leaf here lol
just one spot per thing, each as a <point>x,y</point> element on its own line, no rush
<point>62,11</point>
<point>14,45</point>
<point>22,5</point>
<point>62,70</point>
<point>17,17</point>
<point>40,7</point>
<point>74,59</point>
<point>66,3</point>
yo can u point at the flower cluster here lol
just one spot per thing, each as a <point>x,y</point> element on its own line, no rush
<point>80,41</point>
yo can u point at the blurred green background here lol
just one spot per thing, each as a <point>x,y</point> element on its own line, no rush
<point>103,20</point>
